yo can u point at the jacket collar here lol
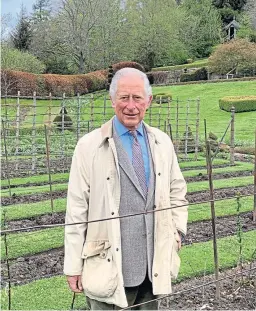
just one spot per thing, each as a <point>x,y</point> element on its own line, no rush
<point>107,132</point>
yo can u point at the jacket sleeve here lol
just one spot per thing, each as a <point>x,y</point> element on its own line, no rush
<point>77,212</point>
<point>178,190</point>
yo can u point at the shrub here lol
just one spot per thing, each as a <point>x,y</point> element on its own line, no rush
<point>241,103</point>
<point>197,75</point>
<point>121,65</point>
<point>237,55</point>
<point>158,77</point>
<point>163,97</point>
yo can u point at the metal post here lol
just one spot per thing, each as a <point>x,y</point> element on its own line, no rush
<point>104,109</point>
<point>232,137</point>
<point>215,250</point>
<point>62,126</point>
<point>159,113</point>
<point>197,128</point>
<point>17,140</point>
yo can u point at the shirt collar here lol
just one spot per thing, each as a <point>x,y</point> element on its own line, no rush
<point>121,129</point>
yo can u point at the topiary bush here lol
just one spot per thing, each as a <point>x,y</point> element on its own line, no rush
<point>241,103</point>
<point>197,75</point>
<point>158,77</point>
<point>162,98</point>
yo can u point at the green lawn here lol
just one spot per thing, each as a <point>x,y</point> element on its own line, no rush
<point>217,120</point>
<point>197,259</point>
<point>196,64</point>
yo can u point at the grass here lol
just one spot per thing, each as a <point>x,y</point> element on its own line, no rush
<point>35,179</point>
<point>45,294</point>
<point>202,162</point>
<point>199,212</point>
<point>194,257</point>
<point>217,120</point>
<point>196,64</point>
<point>220,183</point>
<point>33,190</point>
<point>25,243</point>
<point>229,169</point>
<point>53,293</point>
<point>22,211</point>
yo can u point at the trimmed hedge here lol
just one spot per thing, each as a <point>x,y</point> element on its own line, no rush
<point>196,64</point>
<point>197,75</point>
<point>157,77</point>
<point>241,103</point>
<point>162,97</point>
<point>43,84</point>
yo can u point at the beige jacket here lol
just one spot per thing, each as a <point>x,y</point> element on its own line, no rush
<point>94,250</point>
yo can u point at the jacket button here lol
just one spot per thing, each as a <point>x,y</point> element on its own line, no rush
<point>155,274</point>
<point>112,213</point>
<point>108,178</point>
<point>109,260</point>
<point>154,207</point>
<point>88,190</point>
<point>117,249</point>
<point>159,174</point>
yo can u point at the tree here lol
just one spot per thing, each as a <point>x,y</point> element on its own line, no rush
<point>41,11</point>
<point>237,55</point>
<point>201,28</point>
<point>236,5</point>
<point>21,36</point>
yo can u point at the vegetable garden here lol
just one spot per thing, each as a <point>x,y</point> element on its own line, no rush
<point>37,150</point>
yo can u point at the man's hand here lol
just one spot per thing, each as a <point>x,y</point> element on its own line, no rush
<point>75,283</point>
<point>178,239</point>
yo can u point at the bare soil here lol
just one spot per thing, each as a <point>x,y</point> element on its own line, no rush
<point>236,293</point>
<point>26,269</point>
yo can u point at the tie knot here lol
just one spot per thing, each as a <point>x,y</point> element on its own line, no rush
<point>134,133</point>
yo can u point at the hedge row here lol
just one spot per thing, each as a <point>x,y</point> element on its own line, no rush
<point>197,64</point>
<point>240,103</point>
<point>197,75</point>
<point>43,84</point>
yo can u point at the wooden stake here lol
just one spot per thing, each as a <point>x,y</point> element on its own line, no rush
<point>215,250</point>
<point>254,209</point>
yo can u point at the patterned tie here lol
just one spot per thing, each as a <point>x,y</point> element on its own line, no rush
<point>138,163</point>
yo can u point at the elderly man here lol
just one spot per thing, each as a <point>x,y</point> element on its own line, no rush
<point>125,167</point>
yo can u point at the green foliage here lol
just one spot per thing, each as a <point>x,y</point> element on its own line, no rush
<point>13,59</point>
<point>246,30</point>
<point>163,98</point>
<point>197,75</point>
<point>241,103</point>
<point>235,55</point>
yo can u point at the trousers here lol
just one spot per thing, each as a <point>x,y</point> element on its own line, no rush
<point>134,295</point>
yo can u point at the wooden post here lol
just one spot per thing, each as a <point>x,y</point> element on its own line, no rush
<point>92,113</point>
<point>17,140</point>
<point>7,263</point>
<point>197,128</point>
<point>150,115</point>
<point>169,111</point>
<point>78,116</point>
<point>232,137</point>
<point>177,128</point>
<point>159,113</point>
<point>34,134</point>
<point>254,209</point>
<point>63,127</point>
<point>104,108</point>
<point>6,158</point>
<point>215,249</point>
<point>48,164</point>
<point>186,133</point>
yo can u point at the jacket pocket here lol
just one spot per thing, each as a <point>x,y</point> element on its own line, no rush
<point>99,276</point>
<point>175,261</point>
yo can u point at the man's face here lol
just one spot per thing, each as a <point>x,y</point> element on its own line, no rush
<point>130,102</point>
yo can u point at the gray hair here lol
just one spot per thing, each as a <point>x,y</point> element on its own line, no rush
<point>124,72</point>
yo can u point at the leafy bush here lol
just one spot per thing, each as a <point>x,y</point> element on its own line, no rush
<point>236,55</point>
<point>13,59</point>
<point>241,103</point>
<point>121,65</point>
<point>197,75</point>
<point>163,98</point>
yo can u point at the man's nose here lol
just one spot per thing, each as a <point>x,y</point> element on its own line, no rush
<point>130,103</point>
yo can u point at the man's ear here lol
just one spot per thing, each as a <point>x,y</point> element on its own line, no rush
<point>112,102</point>
<point>149,101</point>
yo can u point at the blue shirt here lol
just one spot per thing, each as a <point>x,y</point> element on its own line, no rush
<point>127,140</point>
